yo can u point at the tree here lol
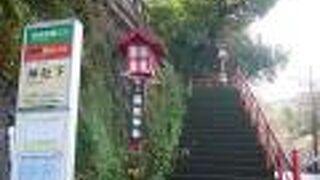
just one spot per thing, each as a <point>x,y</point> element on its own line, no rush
<point>104,106</point>
<point>192,30</point>
<point>255,58</point>
<point>13,14</point>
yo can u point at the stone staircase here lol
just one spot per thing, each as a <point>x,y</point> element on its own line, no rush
<point>217,142</point>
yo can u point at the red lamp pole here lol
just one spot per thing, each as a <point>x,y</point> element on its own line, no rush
<point>140,51</point>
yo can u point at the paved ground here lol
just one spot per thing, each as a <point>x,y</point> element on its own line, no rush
<point>3,155</point>
<point>308,177</point>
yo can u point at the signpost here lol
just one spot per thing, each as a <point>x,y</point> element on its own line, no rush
<point>47,108</point>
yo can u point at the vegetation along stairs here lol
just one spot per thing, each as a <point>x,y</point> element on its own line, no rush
<point>217,141</point>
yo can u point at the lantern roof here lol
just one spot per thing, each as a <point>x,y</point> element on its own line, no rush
<point>141,37</point>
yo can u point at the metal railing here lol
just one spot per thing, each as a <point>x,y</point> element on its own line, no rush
<point>275,157</point>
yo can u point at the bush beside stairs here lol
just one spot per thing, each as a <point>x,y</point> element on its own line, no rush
<point>217,142</point>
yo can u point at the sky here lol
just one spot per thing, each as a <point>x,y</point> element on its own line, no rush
<point>295,25</point>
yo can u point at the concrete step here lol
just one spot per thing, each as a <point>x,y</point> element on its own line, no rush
<point>202,151</point>
<point>219,169</point>
<point>218,142</point>
<point>228,176</point>
<point>210,130</point>
<point>218,160</point>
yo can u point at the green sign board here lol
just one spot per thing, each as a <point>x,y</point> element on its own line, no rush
<point>58,34</point>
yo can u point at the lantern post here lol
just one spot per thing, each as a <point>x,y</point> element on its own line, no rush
<point>143,55</point>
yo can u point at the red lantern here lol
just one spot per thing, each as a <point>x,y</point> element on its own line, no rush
<point>139,60</point>
<point>143,53</point>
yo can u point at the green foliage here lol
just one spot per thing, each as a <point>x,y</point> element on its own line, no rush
<point>261,7</point>
<point>101,150</point>
<point>192,29</point>
<point>257,59</point>
<point>166,108</point>
<point>13,15</point>
<point>102,131</point>
<point>188,29</point>
<point>53,9</point>
<point>101,146</point>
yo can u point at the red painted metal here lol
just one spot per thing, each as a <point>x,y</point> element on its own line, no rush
<point>135,145</point>
<point>275,156</point>
<point>280,166</point>
<point>296,165</point>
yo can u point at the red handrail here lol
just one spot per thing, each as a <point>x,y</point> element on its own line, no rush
<point>275,156</point>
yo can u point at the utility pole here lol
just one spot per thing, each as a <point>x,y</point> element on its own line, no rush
<point>314,120</point>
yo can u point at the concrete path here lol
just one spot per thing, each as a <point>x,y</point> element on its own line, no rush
<point>4,155</point>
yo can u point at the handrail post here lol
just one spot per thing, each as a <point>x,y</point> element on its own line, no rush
<point>279,165</point>
<point>296,165</point>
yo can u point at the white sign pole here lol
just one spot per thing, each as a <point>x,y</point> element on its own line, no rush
<point>43,147</point>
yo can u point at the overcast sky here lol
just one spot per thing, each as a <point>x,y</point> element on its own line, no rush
<point>295,25</point>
